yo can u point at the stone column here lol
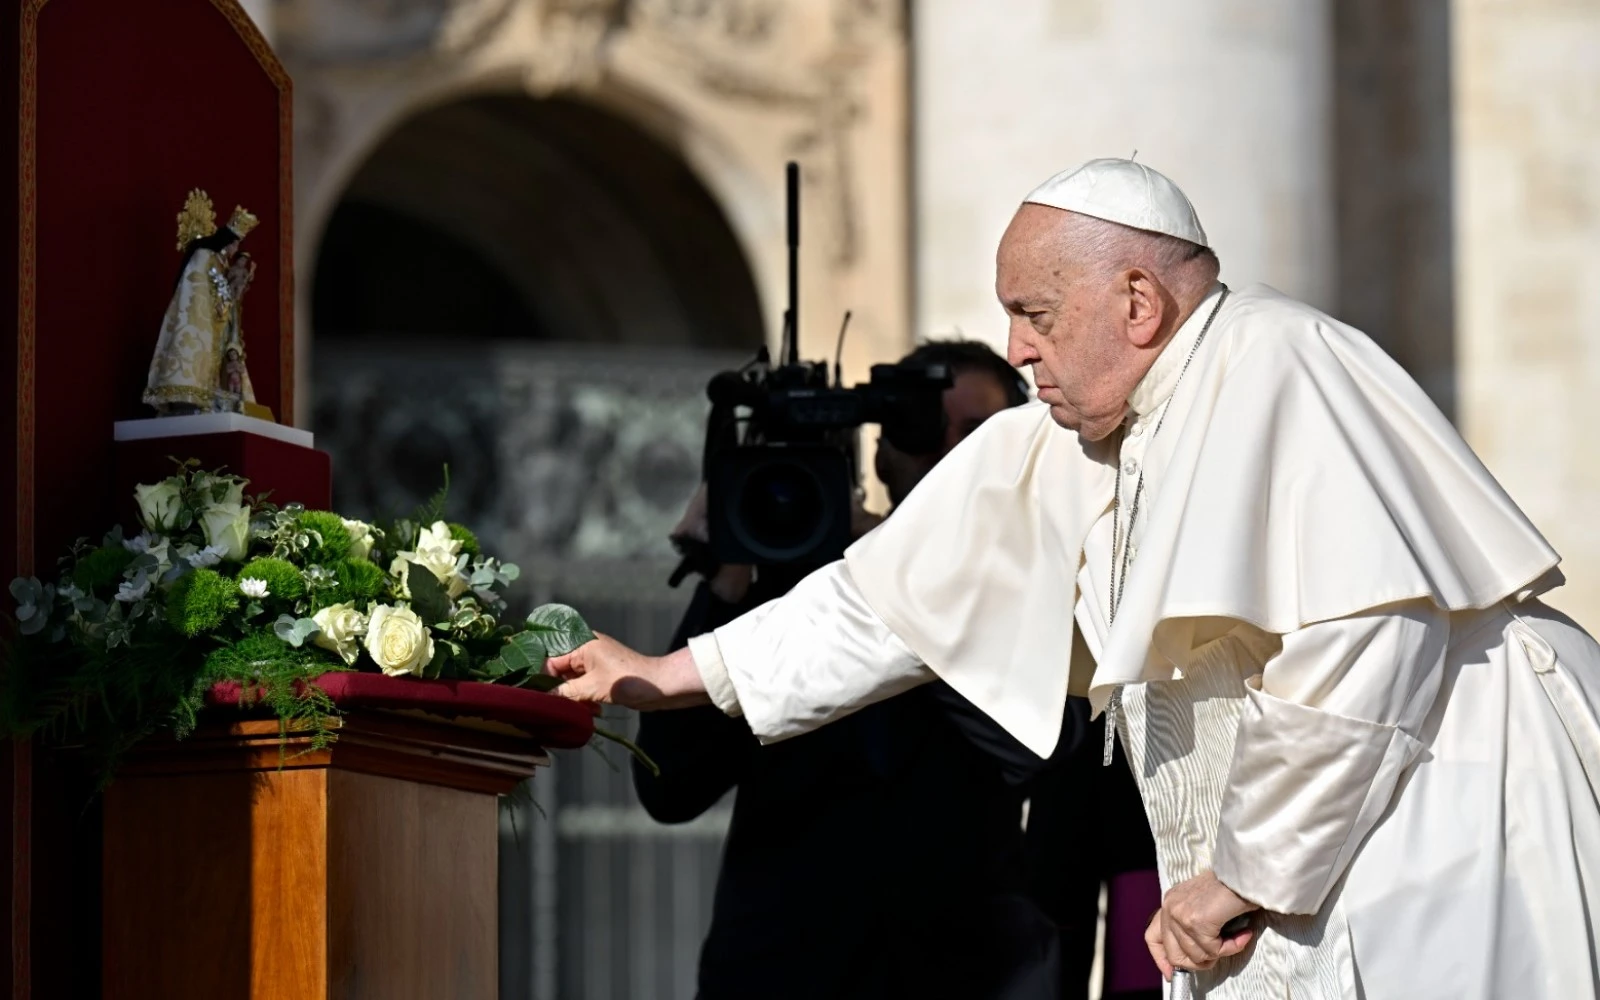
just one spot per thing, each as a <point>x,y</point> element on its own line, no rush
<point>1394,194</point>
<point>1526,116</point>
<point>1229,98</point>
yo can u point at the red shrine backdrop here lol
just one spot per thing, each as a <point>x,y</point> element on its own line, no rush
<point>118,108</point>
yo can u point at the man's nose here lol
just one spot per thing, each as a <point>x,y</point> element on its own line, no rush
<point>1019,347</point>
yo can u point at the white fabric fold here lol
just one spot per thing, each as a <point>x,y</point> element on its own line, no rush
<point>975,570</point>
<point>1311,479</point>
<point>1305,787</point>
<point>814,655</point>
<point>714,673</point>
<point>1325,733</point>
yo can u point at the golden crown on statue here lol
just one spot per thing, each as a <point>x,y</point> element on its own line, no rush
<point>241,222</point>
<point>197,220</point>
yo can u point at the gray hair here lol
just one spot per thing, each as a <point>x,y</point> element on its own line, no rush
<point>1107,247</point>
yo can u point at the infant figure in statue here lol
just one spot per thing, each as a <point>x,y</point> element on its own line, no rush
<point>235,394</point>
<point>188,372</point>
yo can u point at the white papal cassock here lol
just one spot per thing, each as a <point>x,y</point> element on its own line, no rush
<point>1335,683</point>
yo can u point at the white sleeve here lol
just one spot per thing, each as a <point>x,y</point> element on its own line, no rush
<point>1328,730</point>
<point>812,656</point>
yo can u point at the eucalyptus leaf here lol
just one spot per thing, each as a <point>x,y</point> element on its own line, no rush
<point>25,590</point>
<point>510,571</point>
<point>560,627</point>
<point>295,631</point>
<point>32,625</point>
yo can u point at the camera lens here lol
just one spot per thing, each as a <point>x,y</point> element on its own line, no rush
<point>781,506</point>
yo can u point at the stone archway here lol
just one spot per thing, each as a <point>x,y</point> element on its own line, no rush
<point>594,231</point>
<point>501,234</point>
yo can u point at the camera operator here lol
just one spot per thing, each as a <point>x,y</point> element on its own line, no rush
<point>881,856</point>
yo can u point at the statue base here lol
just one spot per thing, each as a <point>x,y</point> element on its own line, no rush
<point>279,461</point>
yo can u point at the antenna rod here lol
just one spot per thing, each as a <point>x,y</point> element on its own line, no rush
<point>792,343</point>
<point>838,354</point>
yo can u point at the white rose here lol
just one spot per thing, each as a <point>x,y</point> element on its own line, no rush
<point>235,493</point>
<point>398,641</point>
<point>360,538</point>
<point>437,553</point>
<point>159,504</point>
<point>227,526</point>
<point>342,625</point>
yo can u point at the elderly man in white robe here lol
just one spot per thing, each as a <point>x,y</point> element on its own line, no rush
<point>1309,613</point>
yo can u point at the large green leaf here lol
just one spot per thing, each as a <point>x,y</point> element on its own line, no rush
<point>540,682</point>
<point>522,653</point>
<point>428,597</point>
<point>560,627</point>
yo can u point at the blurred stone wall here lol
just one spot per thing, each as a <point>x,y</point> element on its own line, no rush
<point>1527,206</point>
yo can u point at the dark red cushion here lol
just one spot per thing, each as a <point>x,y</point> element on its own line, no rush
<point>549,719</point>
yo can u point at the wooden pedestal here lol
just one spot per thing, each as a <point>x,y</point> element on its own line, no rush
<point>365,871</point>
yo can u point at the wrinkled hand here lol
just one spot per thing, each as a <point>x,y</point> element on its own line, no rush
<point>605,671</point>
<point>1187,933</point>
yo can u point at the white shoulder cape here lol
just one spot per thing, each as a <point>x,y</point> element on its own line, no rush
<point>1303,477</point>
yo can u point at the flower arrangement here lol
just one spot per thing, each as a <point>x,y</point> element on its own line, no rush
<point>220,586</point>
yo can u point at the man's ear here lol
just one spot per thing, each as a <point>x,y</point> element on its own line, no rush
<point>1146,307</point>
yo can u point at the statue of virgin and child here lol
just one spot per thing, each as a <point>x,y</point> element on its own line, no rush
<point>199,363</point>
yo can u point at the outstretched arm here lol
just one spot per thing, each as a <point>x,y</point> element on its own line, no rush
<point>607,672</point>
<point>814,655</point>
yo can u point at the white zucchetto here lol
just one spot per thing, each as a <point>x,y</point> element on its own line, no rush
<point>1124,192</point>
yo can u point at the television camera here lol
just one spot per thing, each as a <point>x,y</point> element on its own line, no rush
<point>782,452</point>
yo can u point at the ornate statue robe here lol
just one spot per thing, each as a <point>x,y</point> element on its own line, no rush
<point>1329,666</point>
<point>187,365</point>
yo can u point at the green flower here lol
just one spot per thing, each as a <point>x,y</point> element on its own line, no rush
<point>335,544</point>
<point>360,580</point>
<point>283,579</point>
<point>464,535</point>
<point>101,568</point>
<point>200,601</point>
